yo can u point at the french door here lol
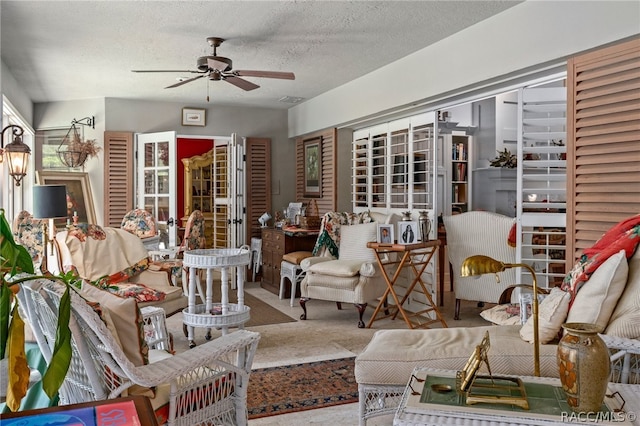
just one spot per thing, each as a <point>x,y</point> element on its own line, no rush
<point>156,185</point>
<point>156,180</point>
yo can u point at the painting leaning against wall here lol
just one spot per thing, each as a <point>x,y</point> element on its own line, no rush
<point>79,198</point>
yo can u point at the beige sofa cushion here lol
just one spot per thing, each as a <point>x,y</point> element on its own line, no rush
<point>391,355</point>
<point>337,268</point>
<point>625,320</point>
<point>552,313</point>
<point>597,298</point>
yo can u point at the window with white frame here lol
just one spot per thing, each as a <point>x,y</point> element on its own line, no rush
<point>393,165</point>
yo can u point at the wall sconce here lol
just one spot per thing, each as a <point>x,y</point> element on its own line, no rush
<point>479,265</point>
<point>17,153</point>
<point>72,151</point>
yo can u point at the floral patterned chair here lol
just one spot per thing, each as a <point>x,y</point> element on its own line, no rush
<point>29,232</point>
<point>142,223</point>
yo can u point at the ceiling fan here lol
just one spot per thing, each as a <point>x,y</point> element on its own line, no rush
<point>220,68</point>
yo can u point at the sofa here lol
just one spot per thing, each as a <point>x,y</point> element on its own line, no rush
<point>609,296</point>
<point>116,260</point>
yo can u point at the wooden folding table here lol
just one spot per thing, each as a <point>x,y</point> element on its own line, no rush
<point>416,257</point>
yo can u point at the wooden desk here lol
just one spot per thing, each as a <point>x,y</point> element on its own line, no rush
<point>107,410</point>
<point>415,256</point>
<point>275,244</point>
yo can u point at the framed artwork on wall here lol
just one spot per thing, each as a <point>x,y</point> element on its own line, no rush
<point>407,232</point>
<point>313,168</point>
<point>79,198</point>
<point>193,116</point>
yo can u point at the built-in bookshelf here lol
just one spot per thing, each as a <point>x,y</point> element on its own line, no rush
<point>459,177</point>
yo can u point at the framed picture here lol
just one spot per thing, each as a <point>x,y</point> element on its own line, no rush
<point>79,199</point>
<point>193,116</point>
<point>385,234</point>
<point>313,168</point>
<point>407,232</point>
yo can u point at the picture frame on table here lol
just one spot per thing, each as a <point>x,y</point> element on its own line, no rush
<point>408,232</point>
<point>79,198</point>
<point>193,117</point>
<point>313,168</point>
<point>385,234</point>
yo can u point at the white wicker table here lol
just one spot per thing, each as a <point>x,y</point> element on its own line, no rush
<point>451,415</point>
<point>216,315</point>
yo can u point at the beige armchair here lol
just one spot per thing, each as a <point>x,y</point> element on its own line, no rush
<point>479,232</point>
<point>353,277</point>
<point>118,260</point>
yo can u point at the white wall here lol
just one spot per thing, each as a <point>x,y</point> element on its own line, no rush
<point>522,37</point>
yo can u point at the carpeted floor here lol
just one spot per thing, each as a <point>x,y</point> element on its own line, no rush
<point>299,387</point>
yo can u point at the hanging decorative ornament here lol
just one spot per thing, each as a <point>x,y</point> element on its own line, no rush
<point>72,151</point>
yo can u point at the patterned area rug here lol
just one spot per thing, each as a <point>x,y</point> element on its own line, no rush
<point>299,387</point>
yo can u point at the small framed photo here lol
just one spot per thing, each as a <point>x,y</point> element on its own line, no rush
<point>385,234</point>
<point>193,116</point>
<point>407,232</point>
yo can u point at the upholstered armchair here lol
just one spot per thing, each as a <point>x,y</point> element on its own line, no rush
<point>29,232</point>
<point>141,223</point>
<point>479,232</point>
<point>117,260</point>
<point>352,277</point>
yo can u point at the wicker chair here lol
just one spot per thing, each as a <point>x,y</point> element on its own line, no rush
<point>205,385</point>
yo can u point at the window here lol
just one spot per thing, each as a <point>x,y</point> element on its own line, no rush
<point>393,165</point>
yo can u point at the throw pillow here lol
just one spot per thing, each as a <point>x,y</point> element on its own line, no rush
<point>354,239</point>
<point>126,318</point>
<point>625,320</point>
<point>139,292</point>
<point>552,313</point>
<point>501,315</point>
<point>597,298</point>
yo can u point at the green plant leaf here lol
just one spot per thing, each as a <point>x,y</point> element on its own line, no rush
<point>61,357</point>
<point>5,314</point>
<point>18,367</point>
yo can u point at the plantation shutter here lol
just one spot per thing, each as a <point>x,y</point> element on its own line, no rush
<point>603,182</point>
<point>118,176</point>
<point>258,166</point>
<point>328,199</point>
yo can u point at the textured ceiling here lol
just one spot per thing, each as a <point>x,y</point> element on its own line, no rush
<point>68,50</point>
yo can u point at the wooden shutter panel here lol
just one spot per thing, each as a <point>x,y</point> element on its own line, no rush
<point>118,176</point>
<point>328,201</point>
<point>258,166</point>
<point>603,169</point>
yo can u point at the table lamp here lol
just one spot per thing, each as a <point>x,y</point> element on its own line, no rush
<point>480,265</point>
<point>49,202</point>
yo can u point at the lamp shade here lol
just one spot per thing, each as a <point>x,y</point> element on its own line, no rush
<point>49,201</point>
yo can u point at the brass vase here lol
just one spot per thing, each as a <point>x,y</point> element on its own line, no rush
<point>583,360</point>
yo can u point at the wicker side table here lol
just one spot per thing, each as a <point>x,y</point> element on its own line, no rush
<point>221,315</point>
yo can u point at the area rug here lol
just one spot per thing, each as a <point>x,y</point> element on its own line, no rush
<point>279,390</point>
<point>262,313</point>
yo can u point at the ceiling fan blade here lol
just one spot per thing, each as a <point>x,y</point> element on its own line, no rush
<point>239,82</point>
<point>190,71</point>
<point>180,83</point>
<point>267,74</point>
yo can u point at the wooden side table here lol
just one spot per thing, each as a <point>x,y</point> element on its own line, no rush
<point>416,257</point>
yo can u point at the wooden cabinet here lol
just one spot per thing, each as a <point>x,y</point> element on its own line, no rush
<point>275,243</point>
<point>206,189</point>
